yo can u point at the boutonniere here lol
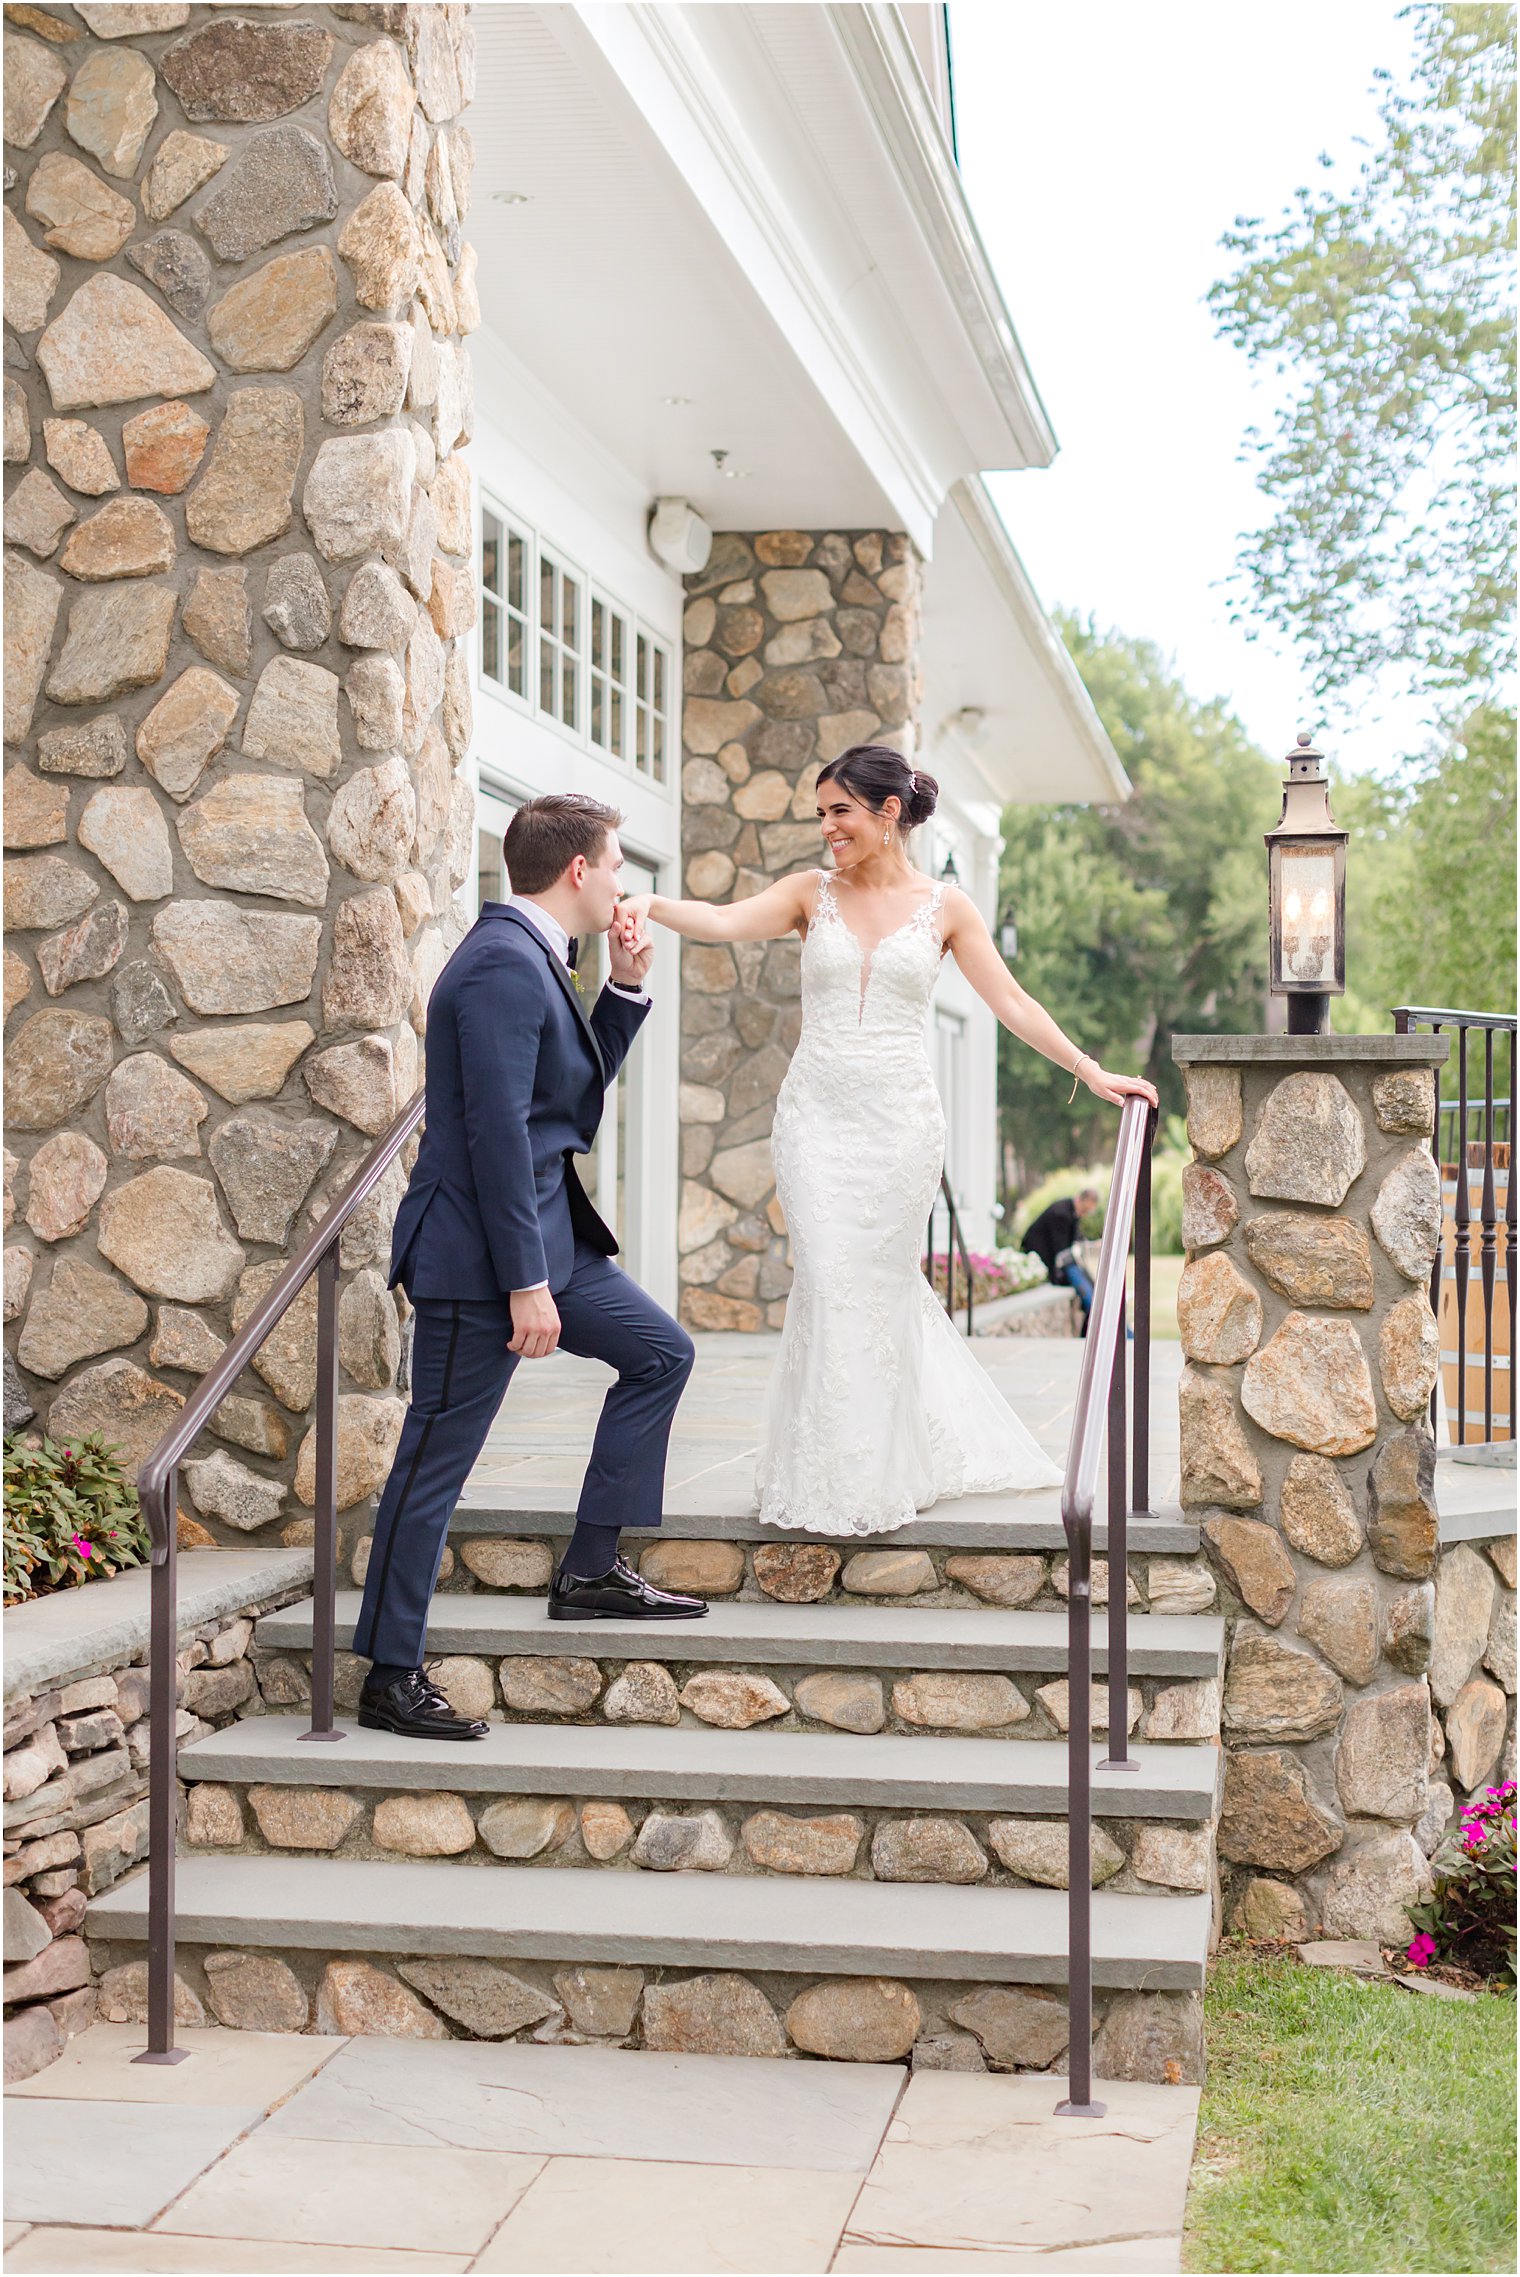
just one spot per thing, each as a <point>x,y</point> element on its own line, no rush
<point>580,986</point>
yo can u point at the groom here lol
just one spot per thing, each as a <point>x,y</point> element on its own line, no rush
<point>504,1258</point>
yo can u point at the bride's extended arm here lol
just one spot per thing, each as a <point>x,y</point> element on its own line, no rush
<point>971,945</point>
<point>765,916</point>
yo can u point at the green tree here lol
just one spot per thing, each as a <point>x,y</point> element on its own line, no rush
<point>1430,881</point>
<point>1135,920</point>
<point>1390,547</point>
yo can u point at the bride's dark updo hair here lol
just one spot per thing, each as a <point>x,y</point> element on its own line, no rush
<point>874,773</point>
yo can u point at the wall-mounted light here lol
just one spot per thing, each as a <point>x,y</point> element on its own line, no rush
<point>679,536</point>
<point>950,874</point>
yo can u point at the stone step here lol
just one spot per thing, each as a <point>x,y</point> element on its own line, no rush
<point>927,1933</point>
<point>885,1771</point>
<point>827,1636</point>
<point>1030,1521</point>
<point>882,1808</point>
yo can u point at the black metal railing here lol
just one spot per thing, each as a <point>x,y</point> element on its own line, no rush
<point>1468,1140</point>
<point>157,1486</point>
<point>1100,1411</point>
<point>955,1246</point>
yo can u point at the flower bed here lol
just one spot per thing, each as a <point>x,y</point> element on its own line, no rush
<point>71,1516</point>
<point>1002,1274</point>
<point>1469,1917</point>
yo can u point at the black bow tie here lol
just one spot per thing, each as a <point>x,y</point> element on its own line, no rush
<point>572,952</point>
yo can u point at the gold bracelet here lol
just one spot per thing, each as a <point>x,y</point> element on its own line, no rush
<point>1080,1057</point>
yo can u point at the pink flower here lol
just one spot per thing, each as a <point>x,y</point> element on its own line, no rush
<point>1421,1951</point>
<point>84,1548</point>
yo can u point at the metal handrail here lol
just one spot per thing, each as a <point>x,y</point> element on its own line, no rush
<point>1488,1025</point>
<point>157,1483</point>
<point>954,1240</point>
<point>1101,1403</point>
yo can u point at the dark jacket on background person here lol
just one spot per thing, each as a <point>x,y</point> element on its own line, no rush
<point>1052,1231</point>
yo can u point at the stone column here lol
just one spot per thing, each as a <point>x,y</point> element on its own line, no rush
<point>797,646</point>
<point>1311,1220</point>
<point>239,530</point>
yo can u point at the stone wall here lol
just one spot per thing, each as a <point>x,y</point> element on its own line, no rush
<point>1359,1693</point>
<point>76,1817</point>
<point>796,646</point>
<point>239,534</point>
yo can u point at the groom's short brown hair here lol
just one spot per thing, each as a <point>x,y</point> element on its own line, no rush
<point>544,837</point>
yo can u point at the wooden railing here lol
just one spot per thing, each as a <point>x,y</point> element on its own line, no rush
<point>1473,1145</point>
<point>1100,1411</point>
<point>157,1486</point>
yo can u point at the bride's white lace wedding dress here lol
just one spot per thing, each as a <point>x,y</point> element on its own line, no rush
<point>877,1408</point>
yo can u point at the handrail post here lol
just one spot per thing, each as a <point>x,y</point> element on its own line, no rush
<point>163,1787</point>
<point>1118,1757</point>
<point>1078,2103</point>
<point>1140,1461</point>
<point>324,1580</point>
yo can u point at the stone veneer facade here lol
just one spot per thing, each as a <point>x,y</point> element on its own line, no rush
<point>797,644</point>
<point>1362,1696</point>
<point>238,530</point>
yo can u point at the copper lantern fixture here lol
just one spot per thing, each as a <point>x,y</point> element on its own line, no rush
<point>1306,883</point>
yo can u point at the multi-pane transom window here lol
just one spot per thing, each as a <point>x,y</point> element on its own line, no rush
<point>569,652</point>
<point>611,659</point>
<point>651,707</point>
<point>503,602</point>
<point>561,640</point>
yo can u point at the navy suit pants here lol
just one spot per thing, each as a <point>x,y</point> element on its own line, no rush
<point>460,1368</point>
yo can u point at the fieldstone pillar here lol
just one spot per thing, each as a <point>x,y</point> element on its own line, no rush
<point>1311,1220</point>
<point>796,646</point>
<point>239,534</point>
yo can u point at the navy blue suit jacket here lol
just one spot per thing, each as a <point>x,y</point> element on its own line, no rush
<point>516,1078</point>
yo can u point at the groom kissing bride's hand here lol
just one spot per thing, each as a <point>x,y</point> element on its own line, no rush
<point>504,1258</point>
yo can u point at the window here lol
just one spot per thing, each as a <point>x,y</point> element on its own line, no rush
<point>609,677</point>
<point>560,640</point>
<point>503,603</point>
<point>568,651</point>
<point>652,712</point>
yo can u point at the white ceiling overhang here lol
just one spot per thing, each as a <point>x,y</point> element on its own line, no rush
<point>738,228</point>
<point>999,685</point>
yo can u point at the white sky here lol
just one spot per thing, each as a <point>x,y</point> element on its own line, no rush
<point>1106,149</point>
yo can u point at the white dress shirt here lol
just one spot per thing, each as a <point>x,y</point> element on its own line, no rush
<point>545,922</point>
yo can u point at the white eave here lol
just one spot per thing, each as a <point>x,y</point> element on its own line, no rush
<point>999,684</point>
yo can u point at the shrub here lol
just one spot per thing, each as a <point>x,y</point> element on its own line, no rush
<point>1470,1913</point>
<point>71,1515</point>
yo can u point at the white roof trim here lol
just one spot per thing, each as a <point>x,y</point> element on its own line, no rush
<point>974,504</point>
<point>887,69</point>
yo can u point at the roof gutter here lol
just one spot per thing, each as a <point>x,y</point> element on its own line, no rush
<point>886,69</point>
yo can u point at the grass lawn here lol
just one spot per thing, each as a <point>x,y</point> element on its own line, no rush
<point>1166,1272</point>
<point>1351,2126</point>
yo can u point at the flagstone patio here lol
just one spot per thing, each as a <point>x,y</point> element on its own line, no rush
<point>304,2153</point>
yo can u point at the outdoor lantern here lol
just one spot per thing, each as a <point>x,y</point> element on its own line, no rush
<point>1306,884</point>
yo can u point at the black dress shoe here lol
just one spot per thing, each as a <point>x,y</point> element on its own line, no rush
<point>619,1594</point>
<point>412,1707</point>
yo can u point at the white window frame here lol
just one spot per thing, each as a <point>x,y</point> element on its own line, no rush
<point>512,527</point>
<point>551,643</point>
<point>602,676</point>
<point>641,642</point>
<point>648,645</point>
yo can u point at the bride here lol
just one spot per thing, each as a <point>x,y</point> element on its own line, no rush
<point>877,1408</point>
